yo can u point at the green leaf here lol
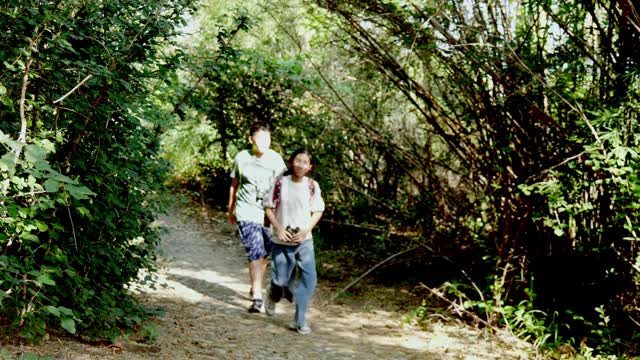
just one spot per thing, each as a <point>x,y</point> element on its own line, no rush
<point>20,182</point>
<point>53,310</point>
<point>34,273</point>
<point>51,185</point>
<point>79,192</point>
<point>42,227</point>
<point>70,272</point>
<point>9,66</point>
<point>65,311</point>
<point>43,166</point>
<point>69,325</point>
<point>6,163</point>
<point>3,295</point>
<point>30,237</point>
<point>61,178</point>
<point>46,280</point>
<point>83,211</point>
<point>47,145</point>
<point>6,101</point>
<point>13,210</point>
<point>34,153</point>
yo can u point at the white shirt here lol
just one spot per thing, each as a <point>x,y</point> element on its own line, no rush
<point>296,204</point>
<point>256,176</point>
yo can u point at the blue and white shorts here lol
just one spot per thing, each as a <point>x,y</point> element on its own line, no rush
<point>256,239</point>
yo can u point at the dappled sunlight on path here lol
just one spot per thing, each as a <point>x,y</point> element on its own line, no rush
<point>203,285</point>
<point>201,297</point>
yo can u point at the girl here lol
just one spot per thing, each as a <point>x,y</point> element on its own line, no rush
<point>294,206</point>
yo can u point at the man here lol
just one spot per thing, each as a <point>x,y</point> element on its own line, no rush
<point>253,174</point>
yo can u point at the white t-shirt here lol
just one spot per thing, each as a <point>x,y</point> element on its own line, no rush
<point>256,176</point>
<point>296,204</point>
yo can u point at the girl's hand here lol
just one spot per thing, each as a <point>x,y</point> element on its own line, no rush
<point>300,235</point>
<point>282,234</point>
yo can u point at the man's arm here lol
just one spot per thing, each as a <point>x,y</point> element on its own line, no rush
<point>231,205</point>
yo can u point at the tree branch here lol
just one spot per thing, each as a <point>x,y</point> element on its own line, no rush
<point>22,137</point>
<point>371,270</point>
<point>74,88</point>
<point>459,308</point>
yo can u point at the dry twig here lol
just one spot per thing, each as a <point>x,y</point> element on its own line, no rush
<point>371,270</point>
<point>459,308</point>
<point>74,88</point>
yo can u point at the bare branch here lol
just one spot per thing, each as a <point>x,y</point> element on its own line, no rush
<point>459,308</point>
<point>73,228</point>
<point>371,270</point>
<point>22,137</point>
<point>23,94</point>
<point>74,88</point>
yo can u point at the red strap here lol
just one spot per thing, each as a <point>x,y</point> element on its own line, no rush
<point>276,191</point>
<point>312,187</point>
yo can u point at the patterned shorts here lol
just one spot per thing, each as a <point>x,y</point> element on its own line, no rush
<point>256,240</point>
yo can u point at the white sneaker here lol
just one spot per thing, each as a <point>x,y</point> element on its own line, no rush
<point>256,306</point>
<point>269,305</point>
<point>304,329</point>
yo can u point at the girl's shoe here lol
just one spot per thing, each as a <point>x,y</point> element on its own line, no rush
<point>269,305</point>
<point>288,295</point>
<point>304,329</point>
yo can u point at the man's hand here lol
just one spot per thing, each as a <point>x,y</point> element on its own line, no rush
<point>232,217</point>
<point>235,182</point>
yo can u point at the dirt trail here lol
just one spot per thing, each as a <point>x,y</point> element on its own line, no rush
<point>202,288</point>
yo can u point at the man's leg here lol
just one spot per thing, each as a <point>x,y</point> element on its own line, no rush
<point>257,269</point>
<point>264,246</point>
<point>252,239</point>
<point>251,292</point>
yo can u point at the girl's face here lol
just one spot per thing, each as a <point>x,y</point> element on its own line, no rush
<point>261,141</point>
<point>301,165</point>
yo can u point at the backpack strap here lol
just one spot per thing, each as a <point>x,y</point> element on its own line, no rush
<point>277,190</point>
<point>312,187</point>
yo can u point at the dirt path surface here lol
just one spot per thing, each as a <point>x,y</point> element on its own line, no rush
<point>203,292</point>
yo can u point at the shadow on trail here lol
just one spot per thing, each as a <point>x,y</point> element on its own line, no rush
<point>213,293</point>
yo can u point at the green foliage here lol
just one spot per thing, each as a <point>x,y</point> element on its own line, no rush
<point>228,87</point>
<point>8,355</point>
<point>541,133</point>
<point>521,319</point>
<point>149,333</point>
<point>506,137</point>
<point>31,193</point>
<point>592,202</point>
<point>417,314</point>
<point>78,200</point>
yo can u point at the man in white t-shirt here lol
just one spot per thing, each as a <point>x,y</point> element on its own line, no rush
<point>252,176</point>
